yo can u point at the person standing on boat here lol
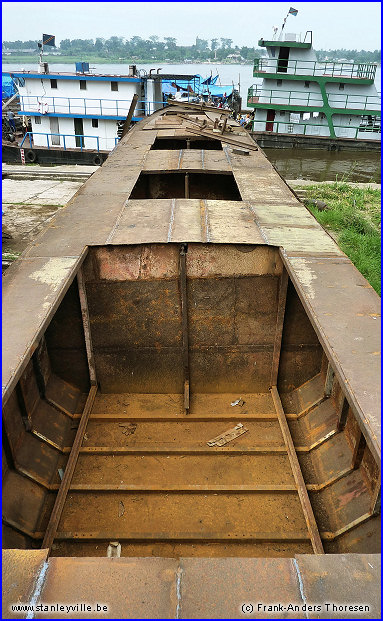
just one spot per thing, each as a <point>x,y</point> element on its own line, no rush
<point>11,121</point>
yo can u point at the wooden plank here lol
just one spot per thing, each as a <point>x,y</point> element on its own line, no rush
<point>128,119</point>
<point>298,477</point>
<point>283,282</point>
<point>86,326</point>
<point>202,107</point>
<point>68,474</point>
<point>185,331</point>
<point>226,139</point>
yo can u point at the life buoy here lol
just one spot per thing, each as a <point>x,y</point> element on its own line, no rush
<point>97,160</point>
<point>42,107</point>
<point>30,156</point>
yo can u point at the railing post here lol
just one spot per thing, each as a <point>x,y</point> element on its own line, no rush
<point>48,140</point>
<point>98,144</point>
<point>30,139</point>
<point>64,142</point>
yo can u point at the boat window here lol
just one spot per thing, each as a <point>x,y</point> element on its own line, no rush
<point>38,120</point>
<point>341,87</point>
<point>114,86</point>
<point>279,82</point>
<point>53,83</point>
<point>307,84</point>
<point>82,85</point>
<point>94,122</point>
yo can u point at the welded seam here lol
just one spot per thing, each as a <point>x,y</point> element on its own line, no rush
<point>207,228</point>
<point>257,223</point>
<point>225,149</point>
<point>117,222</point>
<point>37,592</point>
<point>171,219</point>
<point>300,583</point>
<point>179,576</point>
<point>179,159</point>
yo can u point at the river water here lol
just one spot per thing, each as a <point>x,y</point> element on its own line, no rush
<point>319,165</point>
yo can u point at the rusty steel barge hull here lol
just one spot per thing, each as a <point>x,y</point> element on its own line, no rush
<point>185,293</point>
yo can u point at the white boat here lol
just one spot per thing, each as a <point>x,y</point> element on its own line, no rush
<point>301,95</point>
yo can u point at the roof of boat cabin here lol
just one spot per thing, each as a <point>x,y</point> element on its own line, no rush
<point>99,76</point>
<point>342,306</point>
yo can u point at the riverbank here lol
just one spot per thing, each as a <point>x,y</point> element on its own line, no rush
<point>353,219</point>
<point>33,58</point>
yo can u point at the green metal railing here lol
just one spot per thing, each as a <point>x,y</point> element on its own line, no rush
<point>258,96</point>
<point>311,68</point>
<point>362,131</point>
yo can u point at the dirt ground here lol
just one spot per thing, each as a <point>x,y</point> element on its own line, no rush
<point>27,207</point>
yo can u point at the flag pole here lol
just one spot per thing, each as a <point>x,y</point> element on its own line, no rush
<point>283,25</point>
<point>41,50</point>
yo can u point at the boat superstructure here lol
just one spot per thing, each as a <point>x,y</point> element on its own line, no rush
<point>301,95</point>
<point>191,393</point>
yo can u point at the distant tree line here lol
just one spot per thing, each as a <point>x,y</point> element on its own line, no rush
<point>358,56</point>
<point>153,48</point>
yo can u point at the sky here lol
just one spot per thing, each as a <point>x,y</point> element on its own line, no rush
<point>349,25</point>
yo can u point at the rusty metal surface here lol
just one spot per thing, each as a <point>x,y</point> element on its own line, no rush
<point>88,220</point>
<point>341,579</point>
<point>187,497</point>
<point>190,588</point>
<point>41,282</point>
<point>345,311</point>
<point>131,588</point>
<point>218,588</point>
<point>20,569</point>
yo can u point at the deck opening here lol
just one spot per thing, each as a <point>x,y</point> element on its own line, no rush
<point>186,343</point>
<point>213,186</point>
<point>172,144</point>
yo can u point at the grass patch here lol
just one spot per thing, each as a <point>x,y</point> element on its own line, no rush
<point>353,218</point>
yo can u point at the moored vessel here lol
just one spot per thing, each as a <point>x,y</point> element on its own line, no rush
<point>194,388</point>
